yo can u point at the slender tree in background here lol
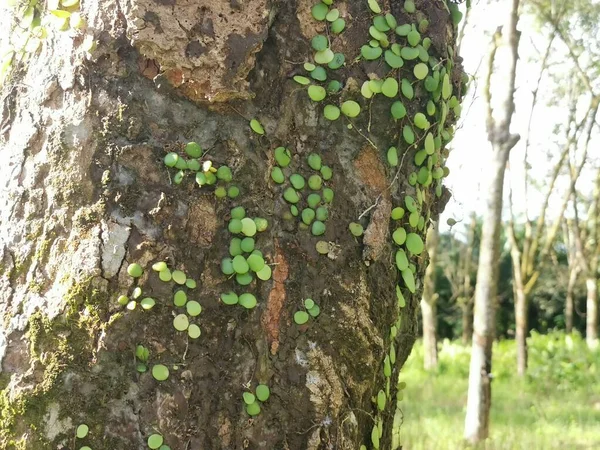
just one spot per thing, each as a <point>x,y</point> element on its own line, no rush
<point>428,307</point>
<point>587,252</point>
<point>502,141</point>
<point>456,262</point>
<point>577,24</point>
<point>126,146</point>
<point>574,270</point>
<point>465,300</point>
<point>531,252</point>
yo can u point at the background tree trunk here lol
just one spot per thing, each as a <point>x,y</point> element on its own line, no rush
<point>502,141</point>
<point>570,300</point>
<point>467,321</point>
<point>591,313</point>
<point>428,308</point>
<point>85,193</point>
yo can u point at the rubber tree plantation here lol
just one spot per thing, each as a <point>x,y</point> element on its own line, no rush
<point>213,218</point>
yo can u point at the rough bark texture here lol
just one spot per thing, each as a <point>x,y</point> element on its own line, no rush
<point>484,317</point>
<point>85,193</point>
<point>428,307</point>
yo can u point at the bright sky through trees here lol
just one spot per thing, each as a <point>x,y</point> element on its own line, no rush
<point>471,148</point>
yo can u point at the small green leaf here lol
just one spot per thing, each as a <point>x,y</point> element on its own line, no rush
<point>257,127</point>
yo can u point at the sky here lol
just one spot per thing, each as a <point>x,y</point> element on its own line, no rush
<point>470,147</point>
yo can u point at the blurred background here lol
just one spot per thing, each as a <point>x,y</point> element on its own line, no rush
<point>548,248</point>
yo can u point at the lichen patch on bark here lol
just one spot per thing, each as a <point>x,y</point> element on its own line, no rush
<point>205,48</point>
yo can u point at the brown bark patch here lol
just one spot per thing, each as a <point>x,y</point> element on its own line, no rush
<point>308,25</point>
<point>370,171</point>
<point>206,48</point>
<point>376,235</point>
<point>372,174</point>
<point>202,222</point>
<point>272,315</point>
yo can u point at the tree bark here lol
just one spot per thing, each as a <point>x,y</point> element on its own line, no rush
<point>486,288</point>
<point>591,314</point>
<point>85,194</point>
<point>428,302</point>
<point>570,301</point>
<point>480,369</point>
<point>521,329</point>
<point>520,298</point>
<point>467,321</point>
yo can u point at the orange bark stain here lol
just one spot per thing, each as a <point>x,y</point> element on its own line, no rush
<point>272,315</point>
<point>370,170</point>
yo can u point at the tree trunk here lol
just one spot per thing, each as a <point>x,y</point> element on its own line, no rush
<point>86,194</point>
<point>484,316</point>
<point>467,305</point>
<point>428,302</point>
<point>521,329</point>
<point>520,298</point>
<point>591,314</point>
<point>467,321</point>
<point>484,322</point>
<point>570,301</point>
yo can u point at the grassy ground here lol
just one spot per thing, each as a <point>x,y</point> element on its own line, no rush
<point>557,406</point>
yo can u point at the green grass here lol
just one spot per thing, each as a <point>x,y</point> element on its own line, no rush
<point>557,406</point>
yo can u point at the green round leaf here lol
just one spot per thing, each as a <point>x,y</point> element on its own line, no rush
<point>318,228</point>
<point>414,244</point>
<point>319,11</point>
<point>291,196</point>
<point>249,398</point>
<point>262,392</point>
<point>147,303</point>
<point>193,308</point>
<point>253,409</point>
<point>181,322</point>
<point>135,270</point>
<point>338,61</point>
<point>356,229</point>
<point>82,431</point>
<point>401,260</point>
<point>390,87</point>
<point>155,441</point>
<point>399,235</point>
<point>319,42</point>
<point>301,80</point>
<point>338,26</point>
<point>316,93</point>
<point>319,74</point>
<point>324,57</point>
<point>282,156</point>
<point>393,60</point>
<point>194,331</point>
<point>301,317</point>
<point>421,70</point>
<point>409,280</point>
<point>370,53</point>
<point>398,110</point>
<point>257,127</point>
<point>314,311</point>
<point>264,274</point>
<point>171,159</point>
<point>350,108</point>
<point>229,298</point>
<point>247,300</point>
<point>248,227</point>
<point>193,150</point>
<point>331,112</point>
<point>160,372</point>
<point>180,298</point>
